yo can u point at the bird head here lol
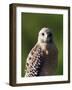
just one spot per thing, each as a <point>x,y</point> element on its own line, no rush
<point>45,36</point>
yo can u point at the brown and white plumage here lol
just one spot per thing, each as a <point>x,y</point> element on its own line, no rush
<point>34,61</point>
<point>42,59</point>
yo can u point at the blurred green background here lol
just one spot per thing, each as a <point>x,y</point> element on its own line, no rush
<point>31,25</point>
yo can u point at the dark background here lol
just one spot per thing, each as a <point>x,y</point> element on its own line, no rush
<point>31,25</point>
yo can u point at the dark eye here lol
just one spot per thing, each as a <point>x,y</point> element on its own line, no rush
<point>42,34</point>
<point>50,34</point>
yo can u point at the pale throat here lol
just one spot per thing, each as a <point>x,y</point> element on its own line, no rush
<point>44,47</point>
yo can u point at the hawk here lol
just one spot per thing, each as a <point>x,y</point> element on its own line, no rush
<point>43,58</point>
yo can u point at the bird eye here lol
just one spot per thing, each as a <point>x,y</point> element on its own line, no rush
<point>50,34</point>
<point>42,34</point>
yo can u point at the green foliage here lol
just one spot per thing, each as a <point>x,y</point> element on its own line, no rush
<point>31,25</point>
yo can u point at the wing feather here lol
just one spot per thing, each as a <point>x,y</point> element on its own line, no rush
<point>34,61</point>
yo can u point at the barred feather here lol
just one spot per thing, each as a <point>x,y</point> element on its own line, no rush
<point>34,62</point>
